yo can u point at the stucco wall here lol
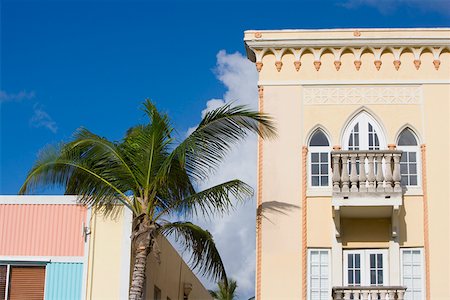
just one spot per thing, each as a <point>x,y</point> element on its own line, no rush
<point>284,98</point>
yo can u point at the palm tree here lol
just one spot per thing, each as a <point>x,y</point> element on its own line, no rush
<point>155,177</point>
<point>226,291</point>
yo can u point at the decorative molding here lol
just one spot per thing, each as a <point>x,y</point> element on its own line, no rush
<point>426,237</point>
<point>304,210</point>
<point>297,65</point>
<point>257,48</point>
<point>326,95</point>
<point>333,82</point>
<point>259,201</point>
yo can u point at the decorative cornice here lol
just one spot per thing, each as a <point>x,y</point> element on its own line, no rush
<point>258,48</point>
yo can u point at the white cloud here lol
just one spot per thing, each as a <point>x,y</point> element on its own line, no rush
<point>390,6</point>
<point>17,97</point>
<point>41,118</point>
<point>234,234</point>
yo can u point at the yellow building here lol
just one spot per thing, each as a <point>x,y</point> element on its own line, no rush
<point>353,195</point>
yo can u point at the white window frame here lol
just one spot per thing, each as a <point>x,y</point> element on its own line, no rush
<point>318,149</point>
<point>308,267</point>
<point>365,265</point>
<point>422,269</point>
<point>363,119</point>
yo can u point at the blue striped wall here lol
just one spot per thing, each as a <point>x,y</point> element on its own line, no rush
<point>63,281</point>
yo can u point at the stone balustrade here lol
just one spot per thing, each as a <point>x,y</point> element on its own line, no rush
<point>369,293</point>
<point>369,171</point>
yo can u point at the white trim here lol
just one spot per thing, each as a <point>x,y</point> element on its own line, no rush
<point>318,188</point>
<point>422,263</point>
<point>125,260</point>
<point>365,265</point>
<point>350,82</point>
<point>390,29</point>
<point>414,190</point>
<point>8,275</point>
<point>308,272</point>
<point>43,259</point>
<point>41,199</point>
<point>317,191</point>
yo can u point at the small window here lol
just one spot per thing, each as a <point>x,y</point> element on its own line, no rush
<point>156,293</point>
<point>409,162</point>
<point>319,274</point>
<point>319,160</point>
<point>412,273</point>
<point>22,282</point>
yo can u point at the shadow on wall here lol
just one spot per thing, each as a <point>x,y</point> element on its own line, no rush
<point>274,207</point>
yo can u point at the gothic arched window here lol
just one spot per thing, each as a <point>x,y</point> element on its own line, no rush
<point>319,159</point>
<point>409,163</point>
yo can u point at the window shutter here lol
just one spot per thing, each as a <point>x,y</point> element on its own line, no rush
<point>27,283</point>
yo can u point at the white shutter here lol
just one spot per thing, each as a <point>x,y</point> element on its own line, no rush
<point>412,273</point>
<point>319,274</point>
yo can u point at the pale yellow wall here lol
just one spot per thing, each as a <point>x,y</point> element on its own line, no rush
<point>170,274</point>
<point>438,150</point>
<point>281,240</point>
<point>105,253</point>
<point>282,178</point>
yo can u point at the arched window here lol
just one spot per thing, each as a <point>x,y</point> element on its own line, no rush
<point>363,133</point>
<point>319,149</point>
<point>409,163</point>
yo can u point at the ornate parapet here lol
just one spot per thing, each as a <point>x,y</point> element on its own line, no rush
<point>357,42</point>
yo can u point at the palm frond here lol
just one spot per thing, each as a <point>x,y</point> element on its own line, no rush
<point>203,150</point>
<point>82,171</point>
<point>204,255</point>
<point>216,200</point>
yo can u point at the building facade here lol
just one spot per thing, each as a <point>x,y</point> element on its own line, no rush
<point>52,248</point>
<point>353,194</point>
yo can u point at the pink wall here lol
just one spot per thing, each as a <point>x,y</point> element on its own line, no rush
<point>41,230</point>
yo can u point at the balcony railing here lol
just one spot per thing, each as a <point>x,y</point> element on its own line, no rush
<point>371,171</point>
<point>369,293</point>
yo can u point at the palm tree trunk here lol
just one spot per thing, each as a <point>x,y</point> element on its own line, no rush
<point>138,277</point>
<point>143,240</point>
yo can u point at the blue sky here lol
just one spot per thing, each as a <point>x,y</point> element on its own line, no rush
<point>66,64</point>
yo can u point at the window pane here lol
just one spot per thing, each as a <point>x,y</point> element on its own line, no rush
<point>404,157</point>
<point>380,277</point>
<point>324,157</point>
<point>319,139</point>
<point>403,169</point>
<point>404,180</point>
<point>323,169</point>
<point>350,260</point>
<point>357,261</point>
<point>315,180</point>
<point>357,277</point>
<point>350,277</point>
<point>324,181</point>
<point>372,260</point>
<point>412,156</point>
<point>373,279</point>
<point>315,169</point>
<point>379,260</point>
<point>315,157</point>
<point>412,168</point>
<point>413,180</point>
<point>407,138</point>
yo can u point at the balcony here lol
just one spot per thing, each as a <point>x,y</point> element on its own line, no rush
<point>366,184</point>
<point>369,293</point>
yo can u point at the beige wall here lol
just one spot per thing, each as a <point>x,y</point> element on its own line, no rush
<point>170,274</point>
<point>109,263</point>
<point>283,98</point>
